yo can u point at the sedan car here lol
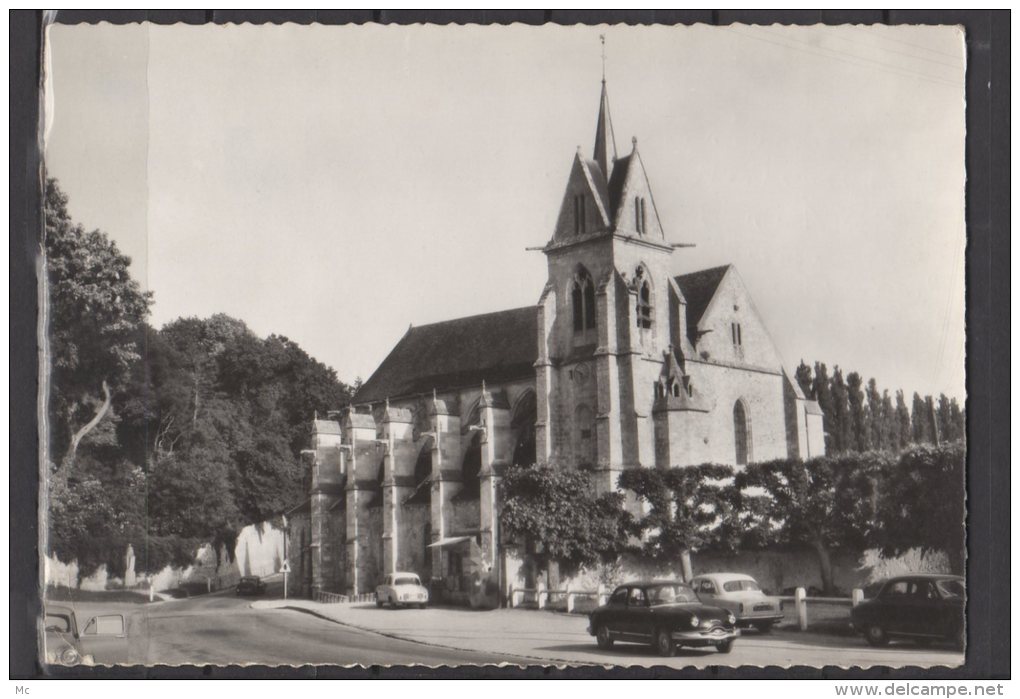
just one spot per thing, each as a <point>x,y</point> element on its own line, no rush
<point>103,640</point>
<point>920,607</point>
<point>665,614</point>
<point>401,590</point>
<point>251,585</point>
<point>742,595</point>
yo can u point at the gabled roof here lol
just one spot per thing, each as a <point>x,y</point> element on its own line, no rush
<point>699,288</point>
<point>501,346</point>
<point>621,166</point>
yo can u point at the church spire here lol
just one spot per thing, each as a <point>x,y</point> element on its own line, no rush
<point>604,129</point>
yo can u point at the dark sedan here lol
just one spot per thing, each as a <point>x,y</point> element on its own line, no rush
<point>251,586</point>
<point>665,614</point>
<point>924,608</point>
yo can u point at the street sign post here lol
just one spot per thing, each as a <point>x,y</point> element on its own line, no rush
<point>285,569</point>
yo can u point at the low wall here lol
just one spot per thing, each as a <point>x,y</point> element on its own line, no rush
<point>259,551</point>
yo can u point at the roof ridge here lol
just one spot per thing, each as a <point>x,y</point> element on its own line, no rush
<point>476,315</point>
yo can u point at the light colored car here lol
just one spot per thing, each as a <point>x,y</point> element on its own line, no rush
<point>103,640</point>
<point>741,595</point>
<point>402,590</point>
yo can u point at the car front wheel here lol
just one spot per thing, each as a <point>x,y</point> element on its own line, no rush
<point>876,635</point>
<point>664,644</point>
<point>378,602</point>
<point>764,627</point>
<point>725,646</point>
<point>602,637</point>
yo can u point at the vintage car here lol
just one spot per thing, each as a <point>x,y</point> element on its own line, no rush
<point>251,585</point>
<point>401,590</point>
<point>103,640</point>
<point>924,608</point>
<point>742,595</point>
<point>665,614</point>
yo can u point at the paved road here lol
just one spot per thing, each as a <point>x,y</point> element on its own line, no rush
<point>223,630</point>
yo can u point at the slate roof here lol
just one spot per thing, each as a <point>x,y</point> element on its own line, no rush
<point>327,427</point>
<point>699,288</point>
<point>496,347</point>
<point>620,168</point>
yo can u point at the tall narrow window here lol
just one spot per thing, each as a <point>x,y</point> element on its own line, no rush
<point>741,433</point>
<point>639,214</point>
<point>644,300</point>
<point>579,205</point>
<point>582,298</point>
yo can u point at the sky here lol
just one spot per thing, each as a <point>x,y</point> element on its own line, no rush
<point>337,184</point>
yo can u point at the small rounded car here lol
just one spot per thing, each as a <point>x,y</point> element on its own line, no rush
<point>741,595</point>
<point>402,590</point>
<point>924,608</point>
<point>665,614</point>
<point>103,640</point>
<point>251,585</point>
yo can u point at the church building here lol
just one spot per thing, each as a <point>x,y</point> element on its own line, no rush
<point>620,364</point>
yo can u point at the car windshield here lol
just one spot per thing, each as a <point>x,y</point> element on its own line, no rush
<point>406,580</point>
<point>951,588</point>
<point>671,594</point>
<point>740,585</point>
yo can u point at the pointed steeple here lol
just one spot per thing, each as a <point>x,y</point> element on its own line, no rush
<point>604,128</point>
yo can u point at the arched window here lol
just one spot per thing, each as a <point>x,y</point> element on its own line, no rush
<point>522,427</point>
<point>470,468</point>
<point>582,296</point>
<point>741,433</point>
<point>644,299</point>
<point>639,215</point>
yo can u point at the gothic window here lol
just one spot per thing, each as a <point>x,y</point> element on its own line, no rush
<point>470,469</point>
<point>579,206</point>
<point>644,300</point>
<point>582,295</point>
<point>738,340</point>
<point>639,215</point>
<point>522,427</point>
<point>741,433</point>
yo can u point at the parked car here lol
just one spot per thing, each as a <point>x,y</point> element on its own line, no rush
<point>665,614</point>
<point>741,595</point>
<point>251,585</point>
<point>920,607</point>
<point>102,641</point>
<point>401,590</point>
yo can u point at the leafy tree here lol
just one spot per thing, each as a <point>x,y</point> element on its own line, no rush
<point>874,418</point>
<point>95,310</point>
<point>820,389</point>
<point>841,423</point>
<point>889,426</point>
<point>805,380</point>
<point>903,422</point>
<point>923,503</point>
<point>689,508</point>
<point>823,503</point>
<point>858,422</point>
<point>555,515</point>
<point>920,422</point>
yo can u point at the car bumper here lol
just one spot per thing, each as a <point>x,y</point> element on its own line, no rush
<point>710,637</point>
<point>760,617</point>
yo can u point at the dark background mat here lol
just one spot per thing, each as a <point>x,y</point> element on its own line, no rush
<point>988,325</point>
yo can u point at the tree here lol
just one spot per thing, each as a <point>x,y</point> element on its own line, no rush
<point>95,311</point>
<point>875,418</point>
<point>841,423</point>
<point>820,389</point>
<point>690,508</point>
<point>858,422</point>
<point>890,428</point>
<point>904,434</point>
<point>555,515</point>
<point>923,503</point>
<point>823,503</point>
<point>804,380</point>
<point>920,422</point>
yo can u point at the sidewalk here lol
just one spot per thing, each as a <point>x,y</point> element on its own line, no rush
<point>524,633</point>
